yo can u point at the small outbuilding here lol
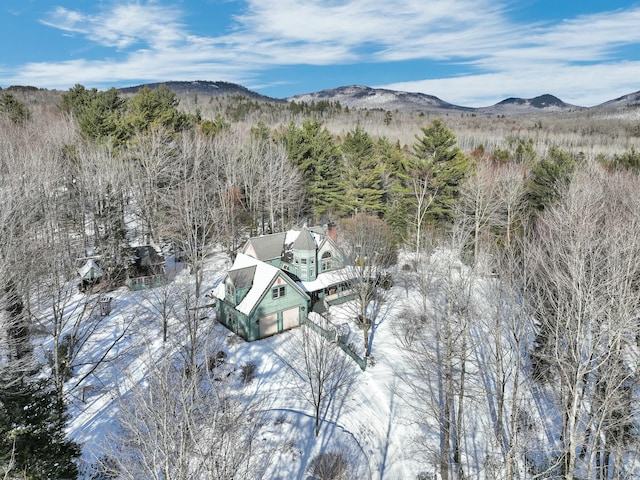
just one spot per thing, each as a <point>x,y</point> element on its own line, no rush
<point>105,305</point>
<point>90,274</point>
<point>147,269</point>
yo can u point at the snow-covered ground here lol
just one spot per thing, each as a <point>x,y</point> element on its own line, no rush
<point>373,426</point>
<point>368,425</point>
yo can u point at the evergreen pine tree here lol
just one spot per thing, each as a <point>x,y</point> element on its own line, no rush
<point>438,155</point>
<point>13,108</point>
<point>32,427</point>
<point>102,117</point>
<point>33,444</point>
<point>549,178</point>
<point>313,150</point>
<point>629,160</point>
<point>152,108</point>
<point>76,100</point>
<point>363,174</point>
<point>99,114</point>
<point>18,343</point>
<point>395,182</point>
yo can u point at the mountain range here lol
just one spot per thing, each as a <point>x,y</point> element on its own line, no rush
<point>359,96</point>
<point>203,87</point>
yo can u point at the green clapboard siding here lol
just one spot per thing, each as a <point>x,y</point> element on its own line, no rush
<point>248,327</point>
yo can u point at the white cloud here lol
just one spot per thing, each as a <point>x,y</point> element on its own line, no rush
<point>142,66</point>
<point>387,30</point>
<point>122,25</point>
<point>585,85</point>
<point>150,41</point>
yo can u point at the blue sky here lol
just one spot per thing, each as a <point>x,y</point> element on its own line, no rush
<point>467,52</point>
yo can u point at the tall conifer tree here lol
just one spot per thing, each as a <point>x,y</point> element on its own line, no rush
<point>438,155</point>
<point>32,430</point>
<point>363,173</point>
<point>314,151</point>
<point>395,182</point>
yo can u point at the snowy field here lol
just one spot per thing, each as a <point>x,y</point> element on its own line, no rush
<point>373,425</point>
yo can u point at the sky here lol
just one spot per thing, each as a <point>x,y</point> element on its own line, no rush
<point>467,52</point>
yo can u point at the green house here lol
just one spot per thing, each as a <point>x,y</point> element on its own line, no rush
<point>257,300</point>
<point>278,279</point>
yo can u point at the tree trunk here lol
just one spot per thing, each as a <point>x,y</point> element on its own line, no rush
<point>457,454</point>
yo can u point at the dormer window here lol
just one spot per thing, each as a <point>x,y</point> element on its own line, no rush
<point>230,290</point>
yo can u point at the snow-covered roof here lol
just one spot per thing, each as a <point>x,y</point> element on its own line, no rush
<point>291,236</point>
<point>263,278</point>
<point>327,279</point>
<point>90,270</point>
<point>264,275</point>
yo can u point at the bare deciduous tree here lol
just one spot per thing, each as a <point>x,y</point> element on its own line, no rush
<point>510,191</point>
<point>585,259</point>
<point>192,211</point>
<point>367,242</point>
<point>324,372</point>
<point>279,184</point>
<point>478,208</point>
<point>185,426</point>
<point>434,331</point>
<point>502,335</point>
<point>423,194</point>
<point>153,157</point>
<point>101,186</point>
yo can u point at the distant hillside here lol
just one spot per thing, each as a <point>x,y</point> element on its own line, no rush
<point>542,103</point>
<point>352,96</point>
<point>203,87</point>
<point>358,96</point>
<point>630,100</point>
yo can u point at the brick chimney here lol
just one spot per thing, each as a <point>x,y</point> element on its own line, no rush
<point>332,231</point>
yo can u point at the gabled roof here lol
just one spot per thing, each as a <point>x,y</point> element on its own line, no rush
<point>264,276</point>
<point>281,245</point>
<point>267,247</point>
<point>242,277</point>
<point>90,271</point>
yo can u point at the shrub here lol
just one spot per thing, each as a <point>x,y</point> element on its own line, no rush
<point>328,466</point>
<point>248,372</point>
<point>217,360</point>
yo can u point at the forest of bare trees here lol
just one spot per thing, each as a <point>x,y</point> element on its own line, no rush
<point>514,240</point>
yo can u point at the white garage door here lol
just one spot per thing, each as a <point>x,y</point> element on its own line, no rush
<point>268,325</point>
<point>290,318</point>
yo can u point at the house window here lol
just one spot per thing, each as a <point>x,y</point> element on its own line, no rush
<point>303,261</point>
<point>326,261</point>
<point>278,292</point>
<point>230,290</point>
